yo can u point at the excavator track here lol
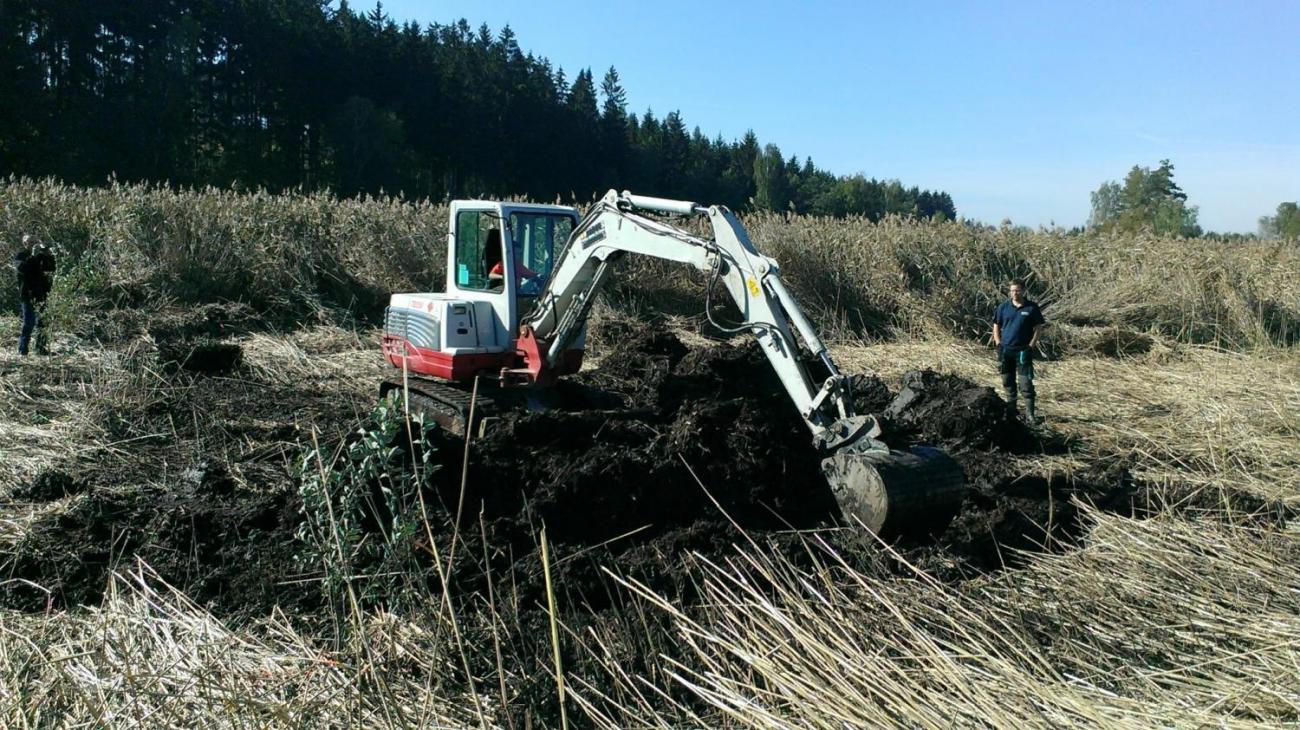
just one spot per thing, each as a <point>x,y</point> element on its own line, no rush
<point>456,410</point>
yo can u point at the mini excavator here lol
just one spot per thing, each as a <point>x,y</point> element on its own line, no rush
<point>521,281</point>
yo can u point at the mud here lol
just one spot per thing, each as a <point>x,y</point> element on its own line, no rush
<point>50,485</point>
<point>227,547</point>
<point>948,411</point>
<point>678,450</point>
<point>701,434</point>
<point>707,452</point>
<point>190,472</point>
<point>708,435</point>
<point>201,356</point>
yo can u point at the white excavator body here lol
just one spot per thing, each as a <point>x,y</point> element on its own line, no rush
<point>471,327</point>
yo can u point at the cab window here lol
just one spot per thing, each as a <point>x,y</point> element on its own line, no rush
<point>478,248</point>
<point>538,238</point>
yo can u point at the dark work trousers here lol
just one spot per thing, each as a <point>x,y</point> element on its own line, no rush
<point>31,320</point>
<point>1017,364</point>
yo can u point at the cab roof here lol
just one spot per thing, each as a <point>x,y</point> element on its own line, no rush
<point>535,207</point>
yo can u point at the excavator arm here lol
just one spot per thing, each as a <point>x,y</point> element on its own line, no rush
<point>889,491</point>
<point>615,226</point>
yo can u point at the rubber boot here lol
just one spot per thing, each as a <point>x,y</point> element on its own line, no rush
<point>1011,405</point>
<point>1031,415</point>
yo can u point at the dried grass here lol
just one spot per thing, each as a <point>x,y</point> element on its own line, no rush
<point>150,657</point>
<point>49,410</point>
<point>1155,623</point>
<point>1195,417</point>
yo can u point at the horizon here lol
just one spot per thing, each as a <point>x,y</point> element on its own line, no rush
<point>1060,100</point>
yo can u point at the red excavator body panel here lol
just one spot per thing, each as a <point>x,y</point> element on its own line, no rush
<point>462,367</point>
<point>401,354</point>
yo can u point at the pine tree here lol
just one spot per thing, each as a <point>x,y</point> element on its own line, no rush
<point>673,153</point>
<point>614,142</point>
<point>771,183</point>
<point>740,171</point>
<point>614,106</point>
<point>1148,200</point>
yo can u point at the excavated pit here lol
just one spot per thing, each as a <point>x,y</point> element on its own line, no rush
<point>703,440</point>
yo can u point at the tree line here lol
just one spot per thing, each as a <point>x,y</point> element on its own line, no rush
<point>1149,200</point>
<point>286,94</point>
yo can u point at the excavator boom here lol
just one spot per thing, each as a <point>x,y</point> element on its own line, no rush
<point>617,225</point>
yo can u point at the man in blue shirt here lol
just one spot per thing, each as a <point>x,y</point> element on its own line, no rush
<point>1016,325</point>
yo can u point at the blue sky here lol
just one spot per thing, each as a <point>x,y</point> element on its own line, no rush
<point>1018,109</point>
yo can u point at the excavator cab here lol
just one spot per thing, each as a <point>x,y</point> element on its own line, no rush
<point>504,253</point>
<point>500,257</point>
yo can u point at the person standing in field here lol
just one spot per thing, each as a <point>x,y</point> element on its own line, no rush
<point>35,265</point>
<point>1016,326</point>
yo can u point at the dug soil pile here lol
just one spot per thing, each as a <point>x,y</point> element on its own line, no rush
<point>663,450</point>
<point>704,445</point>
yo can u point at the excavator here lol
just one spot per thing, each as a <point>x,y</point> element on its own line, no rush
<point>521,282</point>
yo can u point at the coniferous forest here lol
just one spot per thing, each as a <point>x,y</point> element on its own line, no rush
<point>285,94</point>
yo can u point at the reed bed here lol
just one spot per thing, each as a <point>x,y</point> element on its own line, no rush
<point>1176,358</point>
<point>310,257</point>
<point>292,257</point>
<point>947,277</point>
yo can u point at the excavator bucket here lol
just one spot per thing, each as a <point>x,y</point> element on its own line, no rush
<point>896,494</point>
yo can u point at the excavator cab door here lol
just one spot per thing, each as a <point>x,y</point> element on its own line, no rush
<point>537,237</point>
<point>502,255</point>
<point>476,254</point>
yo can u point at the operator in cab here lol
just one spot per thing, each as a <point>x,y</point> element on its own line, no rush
<point>1016,326</point>
<point>529,280</point>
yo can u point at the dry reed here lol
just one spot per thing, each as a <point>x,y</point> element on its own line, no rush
<point>1186,619</point>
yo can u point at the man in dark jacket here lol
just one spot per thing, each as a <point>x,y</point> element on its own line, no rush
<point>1016,325</point>
<point>35,266</point>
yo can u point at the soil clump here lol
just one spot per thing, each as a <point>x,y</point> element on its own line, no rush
<point>224,546</point>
